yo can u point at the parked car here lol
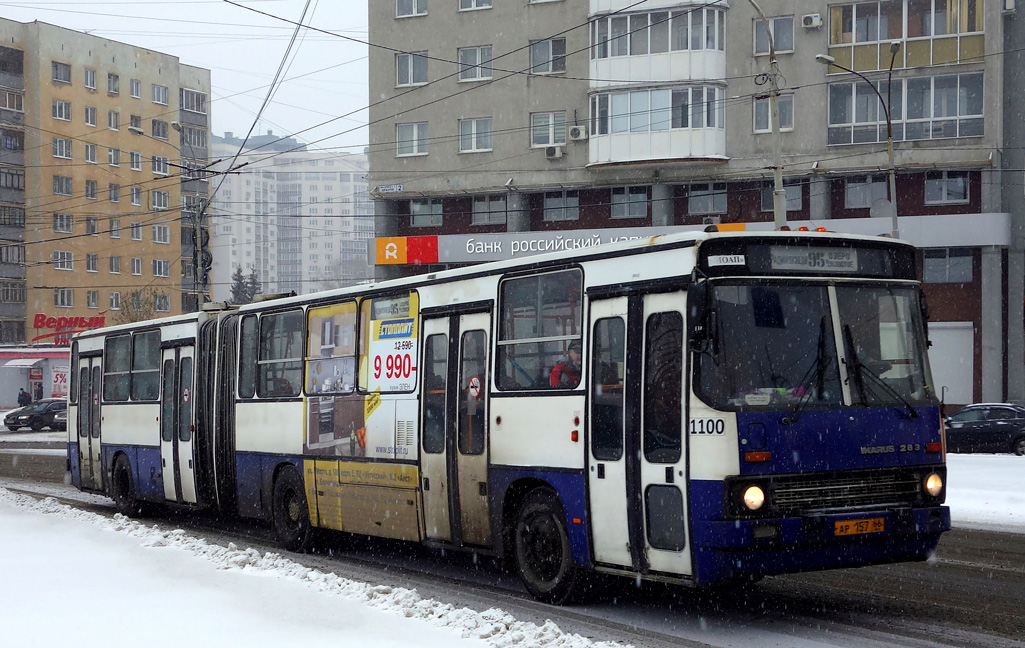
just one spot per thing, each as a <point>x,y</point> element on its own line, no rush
<point>60,420</point>
<point>987,427</point>
<point>37,415</point>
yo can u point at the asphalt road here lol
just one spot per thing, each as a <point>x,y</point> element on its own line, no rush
<point>972,594</point>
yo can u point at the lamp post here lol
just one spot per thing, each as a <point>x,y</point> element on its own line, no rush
<point>894,48</point>
<point>779,213</point>
<point>196,219</point>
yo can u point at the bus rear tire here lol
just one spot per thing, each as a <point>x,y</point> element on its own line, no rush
<point>290,514</point>
<point>123,489</point>
<point>544,559</point>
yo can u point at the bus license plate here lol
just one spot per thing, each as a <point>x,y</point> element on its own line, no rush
<point>856,527</point>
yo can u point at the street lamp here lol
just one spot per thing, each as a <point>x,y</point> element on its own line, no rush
<point>779,212</point>
<point>894,48</point>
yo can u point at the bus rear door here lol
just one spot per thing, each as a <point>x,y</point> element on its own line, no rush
<point>454,460</point>
<point>89,382</point>
<point>637,459</point>
<point>177,425</point>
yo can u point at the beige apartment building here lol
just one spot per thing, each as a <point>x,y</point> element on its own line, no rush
<point>99,196</point>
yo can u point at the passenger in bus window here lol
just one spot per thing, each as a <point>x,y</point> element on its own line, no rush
<point>567,372</point>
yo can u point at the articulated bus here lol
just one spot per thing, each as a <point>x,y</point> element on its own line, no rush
<point>696,408</point>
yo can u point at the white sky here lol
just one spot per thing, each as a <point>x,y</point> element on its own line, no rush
<point>70,576</point>
<point>242,50</point>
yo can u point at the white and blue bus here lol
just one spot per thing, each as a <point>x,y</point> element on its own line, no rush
<point>734,405</point>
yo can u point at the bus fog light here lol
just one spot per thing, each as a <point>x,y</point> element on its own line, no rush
<point>754,497</point>
<point>933,484</point>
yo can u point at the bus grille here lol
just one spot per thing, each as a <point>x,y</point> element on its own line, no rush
<point>798,494</point>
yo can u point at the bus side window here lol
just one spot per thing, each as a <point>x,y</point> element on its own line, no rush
<point>607,406</point>
<point>247,358</point>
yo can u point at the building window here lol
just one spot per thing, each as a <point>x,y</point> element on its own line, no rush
<point>161,234</point>
<point>424,212</point>
<point>161,268</point>
<point>135,88</point>
<point>90,153</point>
<point>411,68</point>
<point>658,32</point>
<point>90,115</point>
<point>11,100</point>
<point>113,120</point>
<point>12,254</point>
<point>62,148</point>
<point>948,265</point>
<point>137,197</point>
<point>63,223</point>
<point>411,139</point>
<point>405,8</point>
<point>61,109</point>
<point>92,299</point>
<point>136,265</point>
<point>61,184</point>
<point>629,202</point>
<point>115,227</point>
<point>861,192</point>
<point>135,121</point>
<point>547,128</point>
<point>90,189</point>
<point>135,159</point>
<point>548,56</point>
<point>782,35</point>
<point>475,135</point>
<point>160,165</point>
<point>946,187</point>
<point>161,303</point>
<point>12,293</point>
<point>763,113</point>
<point>193,137</point>
<point>793,190</point>
<point>465,5</point>
<point>63,260</point>
<point>561,206</point>
<point>61,72</point>
<point>114,157</point>
<point>113,84</point>
<point>489,210</point>
<point>115,300</point>
<point>193,101</point>
<point>642,111</point>
<point>90,78</point>
<point>158,128</point>
<point>474,63</point>
<point>159,199</point>
<point>92,262</point>
<point>115,264</point>
<point>114,193</point>
<point>15,179</point>
<point>63,297</point>
<point>91,228</point>
<point>136,230</point>
<point>707,198</point>
<point>10,215</point>
<point>921,108</point>
<point>159,94</point>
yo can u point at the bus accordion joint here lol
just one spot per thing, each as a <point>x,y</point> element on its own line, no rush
<point>757,456</point>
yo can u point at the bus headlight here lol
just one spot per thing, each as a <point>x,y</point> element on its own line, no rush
<point>754,497</point>
<point>933,484</point>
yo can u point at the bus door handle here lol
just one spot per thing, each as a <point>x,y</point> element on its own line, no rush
<point>669,474</point>
<point>427,483</point>
<point>601,471</point>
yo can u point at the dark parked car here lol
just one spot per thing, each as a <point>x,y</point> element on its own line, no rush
<point>38,415</point>
<point>60,421</point>
<point>987,427</point>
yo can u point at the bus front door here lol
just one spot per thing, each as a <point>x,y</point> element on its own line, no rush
<point>89,382</point>
<point>454,461</point>
<point>637,460</point>
<point>177,425</point>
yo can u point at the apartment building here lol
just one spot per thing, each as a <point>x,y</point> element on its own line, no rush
<point>301,219</point>
<point>551,123</point>
<point>99,197</point>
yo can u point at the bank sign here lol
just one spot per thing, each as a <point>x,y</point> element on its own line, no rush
<point>475,248</point>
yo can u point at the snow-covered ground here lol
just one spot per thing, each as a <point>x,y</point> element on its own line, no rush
<point>68,573</point>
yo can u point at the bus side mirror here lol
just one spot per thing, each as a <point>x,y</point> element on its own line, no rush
<point>701,318</point>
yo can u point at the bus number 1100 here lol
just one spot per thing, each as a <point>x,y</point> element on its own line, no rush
<point>707,426</point>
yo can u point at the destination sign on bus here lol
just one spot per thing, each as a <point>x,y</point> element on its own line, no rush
<point>815,259</point>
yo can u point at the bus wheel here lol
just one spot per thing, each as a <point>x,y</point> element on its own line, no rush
<point>123,489</point>
<point>541,545</point>
<point>290,514</point>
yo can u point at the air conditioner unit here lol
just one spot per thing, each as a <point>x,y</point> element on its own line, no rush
<point>578,133</point>
<point>711,220</point>
<point>1008,6</point>
<point>553,152</point>
<point>811,21</point>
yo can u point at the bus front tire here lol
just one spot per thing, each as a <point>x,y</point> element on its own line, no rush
<point>541,545</point>
<point>291,516</point>
<point>123,489</point>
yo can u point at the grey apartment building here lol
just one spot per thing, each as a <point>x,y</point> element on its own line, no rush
<point>496,120</point>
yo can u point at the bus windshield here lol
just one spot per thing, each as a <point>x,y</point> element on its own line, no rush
<point>775,346</point>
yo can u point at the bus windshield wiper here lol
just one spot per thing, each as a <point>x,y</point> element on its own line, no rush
<point>861,370</point>
<point>816,372</point>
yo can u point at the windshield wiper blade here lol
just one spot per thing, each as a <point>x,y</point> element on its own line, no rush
<point>861,370</point>
<point>816,372</point>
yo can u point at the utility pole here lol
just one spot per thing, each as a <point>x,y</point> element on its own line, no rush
<point>779,197</point>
